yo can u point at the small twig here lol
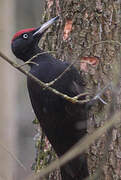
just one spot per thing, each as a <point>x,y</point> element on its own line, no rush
<point>14,157</point>
<point>107,41</point>
<point>30,60</point>
<point>47,85</point>
<point>80,95</point>
<point>97,96</point>
<point>101,92</point>
<point>42,84</point>
<point>67,69</point>
<point>59,77</point>
<point>102,100</point>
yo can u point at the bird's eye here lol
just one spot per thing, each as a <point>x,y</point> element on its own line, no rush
<point>25,36</point>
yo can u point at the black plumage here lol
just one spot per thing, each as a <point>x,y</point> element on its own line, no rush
<point>64,123</point>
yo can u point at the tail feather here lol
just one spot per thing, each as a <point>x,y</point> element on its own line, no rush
<point>76,169</point>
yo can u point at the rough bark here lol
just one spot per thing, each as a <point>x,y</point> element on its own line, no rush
<point>83,23</point>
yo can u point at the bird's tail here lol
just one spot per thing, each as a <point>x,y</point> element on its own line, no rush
<point>77,169</point>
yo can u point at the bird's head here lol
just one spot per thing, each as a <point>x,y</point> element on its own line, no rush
<point>24,43</point>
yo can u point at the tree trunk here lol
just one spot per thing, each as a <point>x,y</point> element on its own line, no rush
<point>83,24</point>
<point>7,94</point>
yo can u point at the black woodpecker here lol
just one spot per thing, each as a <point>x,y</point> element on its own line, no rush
<point>63,123</point>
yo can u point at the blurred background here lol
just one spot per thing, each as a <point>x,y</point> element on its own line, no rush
<point>16,128</point>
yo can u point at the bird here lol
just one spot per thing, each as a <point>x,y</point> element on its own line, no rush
<point>63,122</point>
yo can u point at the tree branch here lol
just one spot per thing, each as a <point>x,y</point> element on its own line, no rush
<point>47,85</point>
<point>42,84</point>
<point>14,157</point>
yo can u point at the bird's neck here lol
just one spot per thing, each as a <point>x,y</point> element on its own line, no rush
<point>31,54</point>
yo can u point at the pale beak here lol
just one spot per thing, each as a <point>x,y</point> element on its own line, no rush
<point>45,26</point>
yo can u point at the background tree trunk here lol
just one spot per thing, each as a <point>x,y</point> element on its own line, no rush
<point>83,23</point>
<point>7,94</point>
